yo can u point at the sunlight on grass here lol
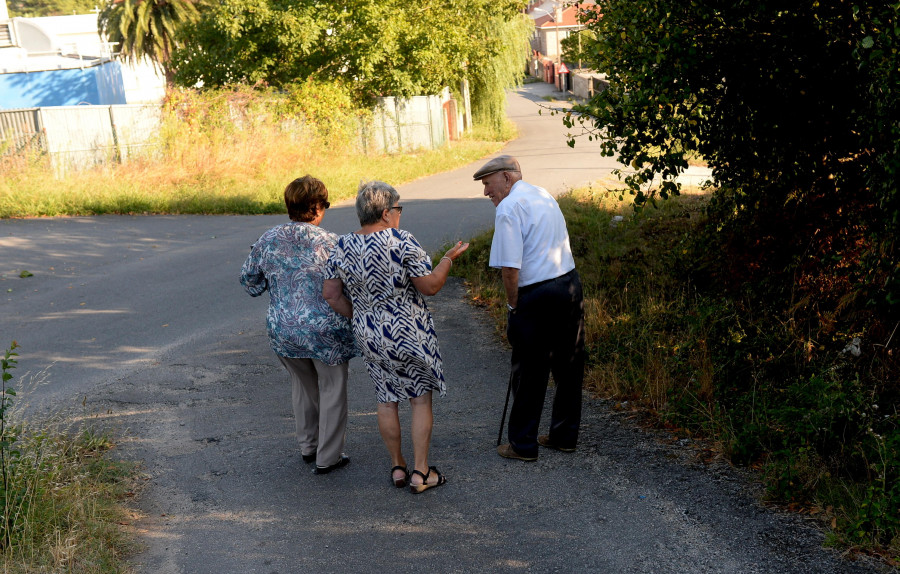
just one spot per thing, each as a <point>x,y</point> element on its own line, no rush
<point>60,489</point>
<point>220,170</point>
<point>249,182</point>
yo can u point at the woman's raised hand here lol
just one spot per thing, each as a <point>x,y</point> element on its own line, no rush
<point>456,250</point>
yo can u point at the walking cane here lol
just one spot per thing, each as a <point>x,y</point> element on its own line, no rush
<point>505,406</point>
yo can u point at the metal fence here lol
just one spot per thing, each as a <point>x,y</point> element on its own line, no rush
<point>400,125</point>
<point>21,130</point>
<point>77,137</point>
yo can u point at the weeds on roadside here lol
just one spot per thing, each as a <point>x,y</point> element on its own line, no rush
<point>231,152</point>
<point>819,419</point>
<point>59,494</point>
<point>8,451</point>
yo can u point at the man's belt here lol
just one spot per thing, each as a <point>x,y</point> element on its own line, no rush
<point>532,286</point>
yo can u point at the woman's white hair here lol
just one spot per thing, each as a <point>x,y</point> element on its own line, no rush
<point>372,198</point>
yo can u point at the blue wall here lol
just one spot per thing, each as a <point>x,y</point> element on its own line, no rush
<point>98,85</point>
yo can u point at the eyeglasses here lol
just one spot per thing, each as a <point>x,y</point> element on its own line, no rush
<point>326,205</point>
<point>399,208</point>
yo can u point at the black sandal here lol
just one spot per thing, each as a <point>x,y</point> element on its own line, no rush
<point>419,488</point>
<point>400,483</point>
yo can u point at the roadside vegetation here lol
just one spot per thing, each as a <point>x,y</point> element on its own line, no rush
<point>232,152</point>
<point>771,324</point>
<point>741,371</point>
<point>61,492</point>
<point>275,106</point>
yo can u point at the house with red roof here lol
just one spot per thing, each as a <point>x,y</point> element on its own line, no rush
<point>554,21</point>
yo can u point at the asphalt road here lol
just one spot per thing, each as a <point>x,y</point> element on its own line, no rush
<point>113,295</point>
<point>143,321</point>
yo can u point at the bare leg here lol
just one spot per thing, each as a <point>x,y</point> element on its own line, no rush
<point>389,426</point>
<point>422,423</point>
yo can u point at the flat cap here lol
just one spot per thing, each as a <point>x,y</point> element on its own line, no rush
<point>499,163</point>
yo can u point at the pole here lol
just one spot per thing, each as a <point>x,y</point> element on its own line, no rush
<point>557,19</point>
<point>579,48</point>
<point>558,55</point>
<point>505,406</point>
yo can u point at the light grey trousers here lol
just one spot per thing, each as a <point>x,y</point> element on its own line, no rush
<point>319,395</point>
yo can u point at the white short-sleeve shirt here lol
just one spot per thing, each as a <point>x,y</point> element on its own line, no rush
<point>530,235</point>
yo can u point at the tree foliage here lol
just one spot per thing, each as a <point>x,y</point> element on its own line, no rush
<point>380,47</point>
<point>793,109</point>
<point>576,47</point>
<point>499,67</point>
<point>38,8</point>
<point>147,28</point>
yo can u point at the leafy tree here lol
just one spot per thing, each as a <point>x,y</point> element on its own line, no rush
<point>380,47</point>
<point>497,62</point>
<point>147,28</point>
<point>576,46</point>
<point>794,110</point>
<point>251,42</point>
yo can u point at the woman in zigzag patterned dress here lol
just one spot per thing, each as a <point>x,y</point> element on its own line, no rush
<point>385,272</point>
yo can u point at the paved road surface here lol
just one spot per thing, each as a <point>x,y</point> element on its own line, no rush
<point>144,318</point>
<point>110,295</point>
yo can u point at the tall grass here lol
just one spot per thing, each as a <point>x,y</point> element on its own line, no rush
<point>228,153</point>
<point>240,178</point>
<point>733,366</point>
<point>60,492</point>
<point>628,286</point>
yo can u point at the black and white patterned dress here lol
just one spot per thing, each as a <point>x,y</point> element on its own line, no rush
<point>391,322</point>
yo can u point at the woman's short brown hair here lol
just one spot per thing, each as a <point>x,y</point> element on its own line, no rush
<point>303,196</point>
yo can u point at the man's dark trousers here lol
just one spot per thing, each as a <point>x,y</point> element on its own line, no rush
<point>547,335</point>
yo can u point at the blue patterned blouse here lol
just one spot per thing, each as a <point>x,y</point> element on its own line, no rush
<point>289,261</point>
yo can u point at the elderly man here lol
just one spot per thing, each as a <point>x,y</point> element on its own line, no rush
<point>546,310</point>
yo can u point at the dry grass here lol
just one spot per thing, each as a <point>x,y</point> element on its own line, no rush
<point>214,173</point>
<point>60,492</point>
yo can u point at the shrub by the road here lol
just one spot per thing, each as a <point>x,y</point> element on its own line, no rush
<point>784,310</point>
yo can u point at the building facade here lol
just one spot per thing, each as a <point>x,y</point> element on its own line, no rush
<point>62,61</point>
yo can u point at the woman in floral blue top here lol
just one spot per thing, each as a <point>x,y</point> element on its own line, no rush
<point>313,342</point>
